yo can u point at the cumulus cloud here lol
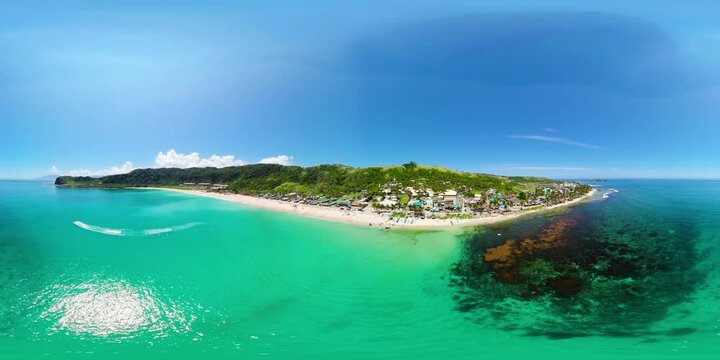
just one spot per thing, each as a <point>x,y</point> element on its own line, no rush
<point>280,159</point>
<point>115,170</point>
<point>173,159</point>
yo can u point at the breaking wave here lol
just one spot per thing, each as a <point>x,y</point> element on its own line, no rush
<point>130,232</point>
<point>610,192</point>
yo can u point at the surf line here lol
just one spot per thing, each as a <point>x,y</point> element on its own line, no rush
<point>610,191</point>
<point>127,232</point>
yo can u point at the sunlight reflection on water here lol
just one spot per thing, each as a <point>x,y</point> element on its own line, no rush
<point>111,309</point>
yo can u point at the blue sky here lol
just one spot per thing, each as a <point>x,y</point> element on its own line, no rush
<point>549,88</point>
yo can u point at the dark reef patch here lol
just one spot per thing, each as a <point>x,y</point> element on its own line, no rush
<point>587,272</point>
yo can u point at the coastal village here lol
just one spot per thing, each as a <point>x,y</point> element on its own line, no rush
<point>408,203</point>
<point>386,197</point>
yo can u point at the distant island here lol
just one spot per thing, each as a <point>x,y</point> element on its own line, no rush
<point>390,196</point>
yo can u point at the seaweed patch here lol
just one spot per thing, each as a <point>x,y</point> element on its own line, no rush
<point>582,273</point>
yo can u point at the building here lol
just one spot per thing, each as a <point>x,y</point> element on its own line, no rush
<point>450,195</point>
<point>388,203</point>
<point>547,186</point>
<point>429,202</point>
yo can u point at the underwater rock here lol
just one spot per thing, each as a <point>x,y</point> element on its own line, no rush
<point>581,273</point>
<point>508,253</point>
<point>565,286</point>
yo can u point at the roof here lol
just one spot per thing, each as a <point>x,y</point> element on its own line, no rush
<point>450,193</point>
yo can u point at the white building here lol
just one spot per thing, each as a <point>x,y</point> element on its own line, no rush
<point>388,203</point>
<point>450,195</point>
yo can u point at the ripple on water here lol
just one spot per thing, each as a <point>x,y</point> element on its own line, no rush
<point>111,309</point>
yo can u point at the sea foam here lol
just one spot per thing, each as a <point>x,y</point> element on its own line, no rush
<point>610,191</point>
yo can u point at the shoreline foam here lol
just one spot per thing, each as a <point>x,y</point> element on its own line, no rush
<point>362,218</point>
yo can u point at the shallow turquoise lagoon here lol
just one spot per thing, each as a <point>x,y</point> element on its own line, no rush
<point>148,274</point>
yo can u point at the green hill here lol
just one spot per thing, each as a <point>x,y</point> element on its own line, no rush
<point>331,180</point>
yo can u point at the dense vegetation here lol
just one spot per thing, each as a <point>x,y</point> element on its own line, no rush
<point>331,180</point>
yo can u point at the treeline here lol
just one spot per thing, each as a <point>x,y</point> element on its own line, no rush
<point>331,180</point>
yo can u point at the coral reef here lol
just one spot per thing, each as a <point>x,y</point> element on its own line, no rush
<point>585,272</point>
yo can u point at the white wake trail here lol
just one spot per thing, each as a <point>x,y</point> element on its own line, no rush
<point>102,230</point>
<point>126,232</point>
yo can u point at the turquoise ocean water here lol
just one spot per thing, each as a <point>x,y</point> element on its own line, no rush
<point>150,274</point>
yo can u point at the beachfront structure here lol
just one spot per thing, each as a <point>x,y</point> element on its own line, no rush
<point>423,202</point>
<point>388,203</point>
<point>450,195</point>
<point>219,188</point>
<point>429,202</point>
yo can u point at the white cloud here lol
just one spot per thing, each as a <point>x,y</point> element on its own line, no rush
<point>550,130</point>
<point>179,160</point>
<point>125,168</point>
<point>544,168</point>
<point>554,140</point>
<point>280,159</point>
<point>115,170</point>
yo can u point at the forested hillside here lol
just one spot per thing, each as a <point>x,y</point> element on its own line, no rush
<point>332,180</point>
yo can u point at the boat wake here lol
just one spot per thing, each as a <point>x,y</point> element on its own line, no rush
<point>130,232</point>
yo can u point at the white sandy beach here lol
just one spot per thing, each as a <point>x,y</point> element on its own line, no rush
<point>363,218</point>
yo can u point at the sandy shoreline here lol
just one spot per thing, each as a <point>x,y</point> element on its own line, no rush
<point>362,218</point>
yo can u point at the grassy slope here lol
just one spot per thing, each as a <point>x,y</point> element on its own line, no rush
<point>334,180</point>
